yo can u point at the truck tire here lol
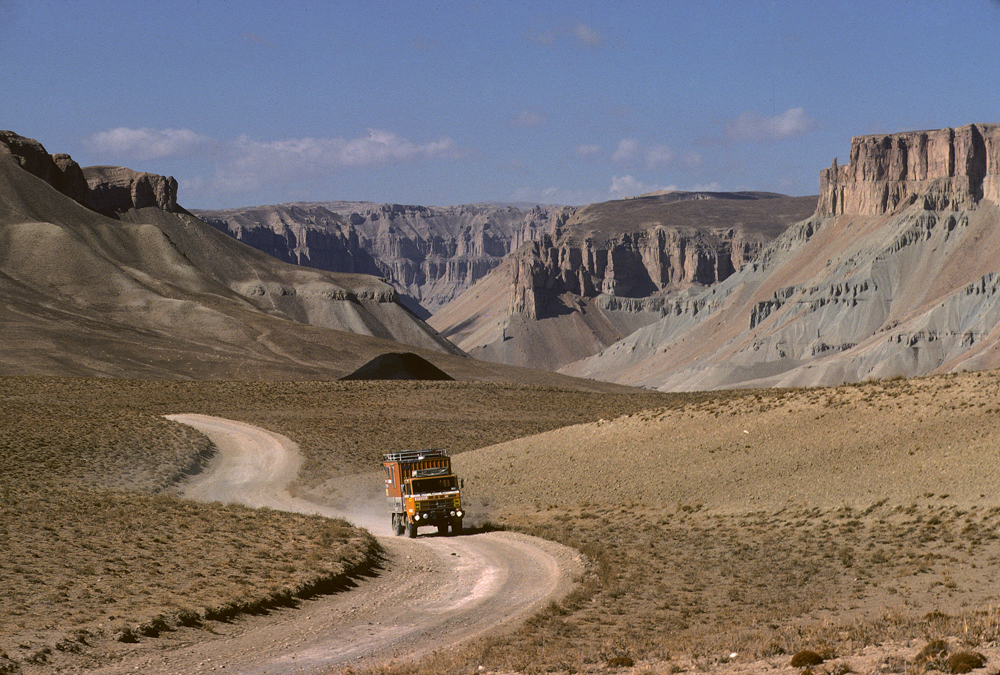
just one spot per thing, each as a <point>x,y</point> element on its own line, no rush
<point>456,526</point>
<point>411,530</point>
<point>397,524</point>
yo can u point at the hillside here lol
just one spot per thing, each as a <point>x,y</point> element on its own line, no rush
<point>610,269</point>
<point>895,274</point>
<point>103,273</point>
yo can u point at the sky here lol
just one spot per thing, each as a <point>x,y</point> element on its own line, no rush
<point>440,103</point>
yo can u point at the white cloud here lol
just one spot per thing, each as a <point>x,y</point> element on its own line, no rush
<point>630,151</point>
<point>629,186</point>
<point>751,127</point>
<point>587,151</point>
<point>148,143</point>
<point>627,151</point>
<point>251,164</point>
<point>587,35</point>
<point>528,118</point>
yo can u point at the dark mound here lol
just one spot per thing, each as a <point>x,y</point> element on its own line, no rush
<point>398,366</point>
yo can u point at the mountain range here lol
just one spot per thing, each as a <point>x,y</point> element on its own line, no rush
<point>891,270</point>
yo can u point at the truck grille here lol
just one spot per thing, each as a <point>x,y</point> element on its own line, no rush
<point>433,508</point>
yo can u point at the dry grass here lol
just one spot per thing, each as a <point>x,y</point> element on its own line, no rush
<point>683,571</point>
<point>95,548</point>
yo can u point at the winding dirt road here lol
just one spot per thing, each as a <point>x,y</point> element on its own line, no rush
<point>435,593</point>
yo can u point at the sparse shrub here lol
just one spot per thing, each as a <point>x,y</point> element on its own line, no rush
<point>806,657</point>
<point>965,662</point>
<point>628,662</point>
<point>932,650</point>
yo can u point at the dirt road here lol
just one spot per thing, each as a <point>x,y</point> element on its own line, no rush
<point>435,592</point>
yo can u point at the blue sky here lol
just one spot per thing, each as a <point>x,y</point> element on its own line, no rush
<point>437,103</point>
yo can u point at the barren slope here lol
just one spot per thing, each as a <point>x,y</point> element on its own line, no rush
<point>610,269</point>
<point>906,283</point>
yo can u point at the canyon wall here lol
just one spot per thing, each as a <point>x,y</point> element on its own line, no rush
<point>943,169</point>
<point>430,254</point>
<point>679,240</point>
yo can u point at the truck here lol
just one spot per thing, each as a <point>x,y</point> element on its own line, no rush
<point>421,490</point>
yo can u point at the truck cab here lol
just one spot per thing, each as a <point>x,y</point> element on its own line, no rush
<point>421,490</point>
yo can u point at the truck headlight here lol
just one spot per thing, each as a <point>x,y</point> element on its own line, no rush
<point>459,514</point>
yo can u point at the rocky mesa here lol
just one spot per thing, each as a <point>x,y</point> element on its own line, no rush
<point>895,274</point>
<point>610,268</point>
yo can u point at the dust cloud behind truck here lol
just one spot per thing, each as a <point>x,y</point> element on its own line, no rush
<point>421,490</point>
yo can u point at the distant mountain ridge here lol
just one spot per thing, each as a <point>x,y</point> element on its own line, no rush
<point>430,254</point>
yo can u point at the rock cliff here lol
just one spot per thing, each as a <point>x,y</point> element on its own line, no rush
<point>115,189</point>
<point>646,246</point>
<point>59,170</point>
<point>109,190</point>
<point>610,268</point>
<point>431,254</point>
<point>896,274</point>
<point>943,169</point>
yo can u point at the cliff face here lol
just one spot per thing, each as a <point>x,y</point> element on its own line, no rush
<point>109,190</point>
<point>59,170</point>
<point>115,189</point>
<point>610,268</point>
<point>896,274</point>
<point>645,257</point>
<point>943,169</point>
<point>431,254</point>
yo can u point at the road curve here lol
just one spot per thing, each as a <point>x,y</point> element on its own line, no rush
<point>435,593</point>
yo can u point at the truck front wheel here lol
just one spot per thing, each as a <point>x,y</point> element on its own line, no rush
<point>456,526</point>
<point>411,529</point>
<point>397,524</point>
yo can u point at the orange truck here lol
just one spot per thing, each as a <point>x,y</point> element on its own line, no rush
<point>421,490</point>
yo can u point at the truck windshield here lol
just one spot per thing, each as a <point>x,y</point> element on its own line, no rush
<point>422,486</point>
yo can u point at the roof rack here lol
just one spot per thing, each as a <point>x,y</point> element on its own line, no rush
<point>415,455</point>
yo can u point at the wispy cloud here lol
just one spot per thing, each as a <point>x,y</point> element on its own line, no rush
<point>587,36</point>
<point>145,143</point>
<point>587,151</point>
<point>751,127</point>
<point>652,156</point>
<point>629,186</point>
<point>252,164</point>
<point>255,40</point>
<point>529,118</point>
<point>578,34</point>
<point>247,164</point>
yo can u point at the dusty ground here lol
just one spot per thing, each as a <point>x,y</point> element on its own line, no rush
<point>859,522</point>
<point>434,592</point>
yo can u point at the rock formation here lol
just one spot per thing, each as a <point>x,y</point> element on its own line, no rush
<point>895,274</point>
<point>115,189</point>
<point>603,250</point>
<point>947,169</point>
<point>431,254</point>
<point>59,171</point>
<point>609,268</point>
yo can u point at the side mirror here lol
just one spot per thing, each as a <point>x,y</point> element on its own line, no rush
<point>461,483</point>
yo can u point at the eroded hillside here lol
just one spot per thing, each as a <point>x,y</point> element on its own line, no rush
<point>895,274</point>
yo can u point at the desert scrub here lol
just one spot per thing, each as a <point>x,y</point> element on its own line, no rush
<point>94,547</point>
<point>83,561</point>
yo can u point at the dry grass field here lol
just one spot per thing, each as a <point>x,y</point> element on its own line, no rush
<point>754,523</point>
<point>96,548</point>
